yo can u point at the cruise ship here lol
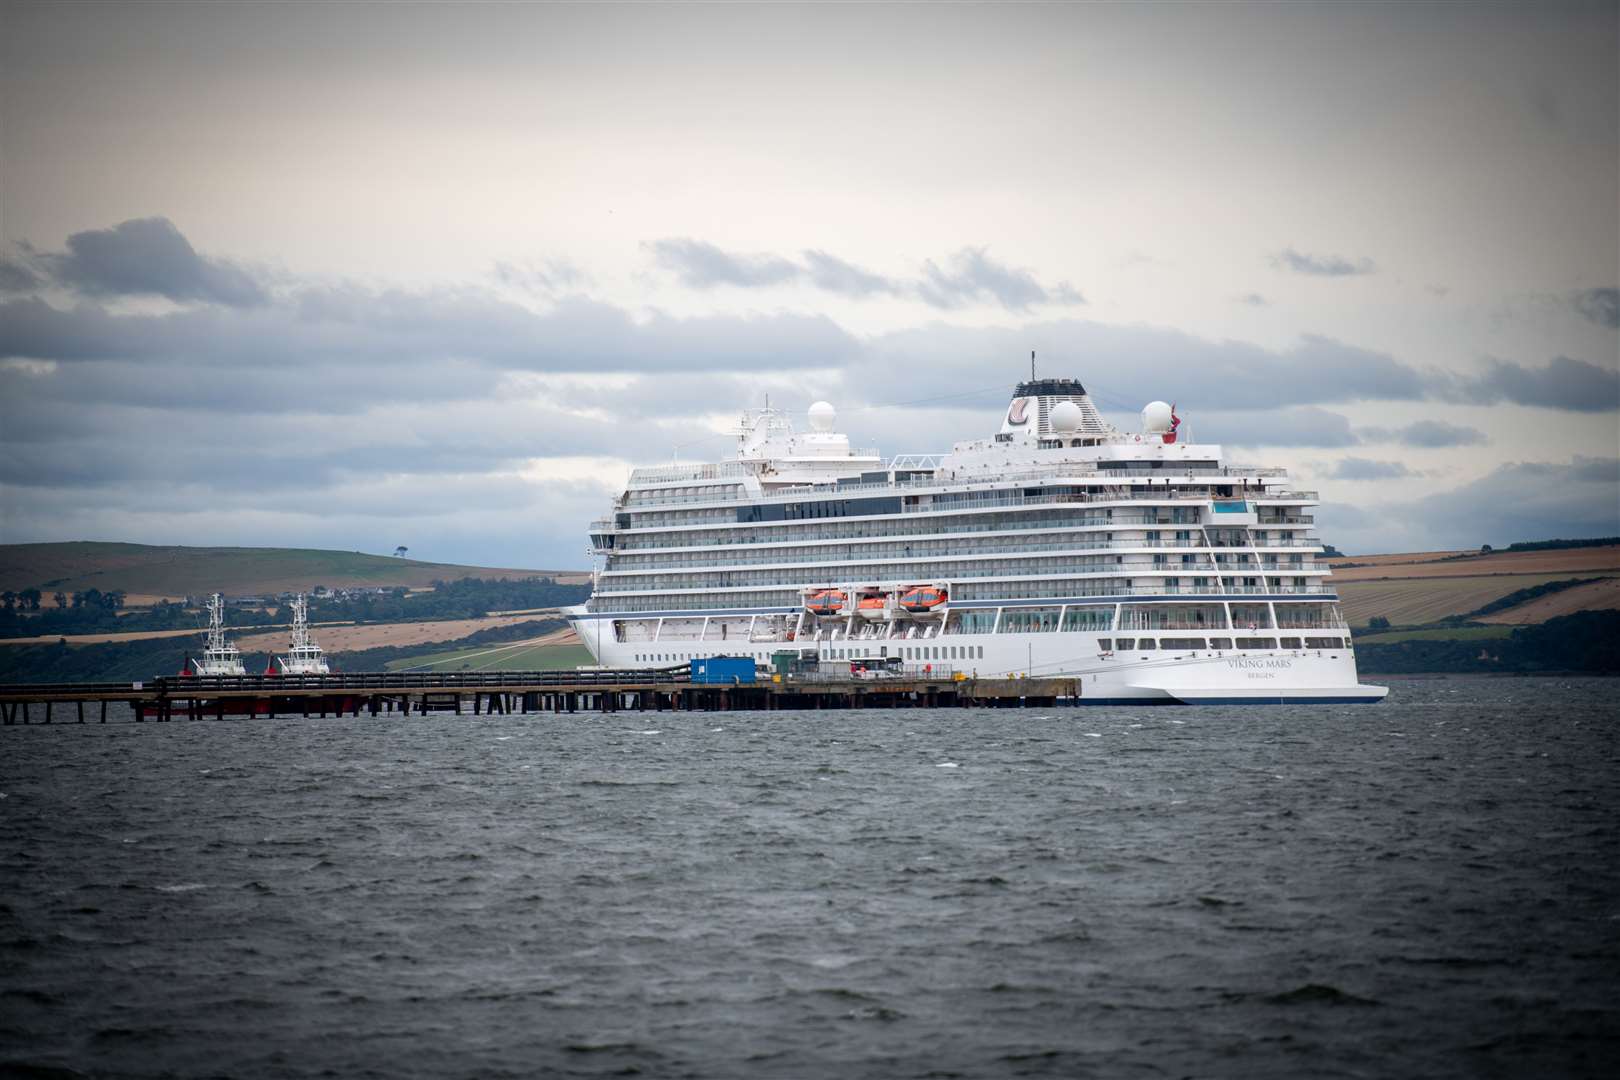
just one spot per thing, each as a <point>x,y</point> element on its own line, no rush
<point>1138,563</point>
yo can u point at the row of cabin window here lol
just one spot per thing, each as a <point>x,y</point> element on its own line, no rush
<point>1219,643</point>
<point>928,652</point>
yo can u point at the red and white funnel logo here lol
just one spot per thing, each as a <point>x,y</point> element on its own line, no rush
<point>1016,414</point>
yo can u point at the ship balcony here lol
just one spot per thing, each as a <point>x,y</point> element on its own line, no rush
<point>675,537</point>
<point>893,554</point>
<point>979,582</point>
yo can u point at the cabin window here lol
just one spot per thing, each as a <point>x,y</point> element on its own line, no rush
<point>1145,645</point>
<point>1256,643</point>
<point>1324,643</point>
<point>1126,644</point>
<point>1220,643</point>
<point>1290,642</point>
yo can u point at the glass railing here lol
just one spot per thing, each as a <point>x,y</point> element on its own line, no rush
<point>725,560</point>
<point>634,587</point>
<point>640,500</point>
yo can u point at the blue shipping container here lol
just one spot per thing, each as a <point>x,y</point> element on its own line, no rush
<point>726,670</point>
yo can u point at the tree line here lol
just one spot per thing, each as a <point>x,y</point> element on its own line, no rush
<point>1587,641</point>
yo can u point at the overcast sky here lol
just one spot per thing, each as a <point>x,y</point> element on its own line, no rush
<point>382,274</point>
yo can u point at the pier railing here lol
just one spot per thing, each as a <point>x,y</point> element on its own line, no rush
<point>373,681</point>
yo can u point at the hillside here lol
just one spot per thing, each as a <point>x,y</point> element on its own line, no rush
<point>1423,587</point>
<point>146,571</point>
<point>1593,596</point>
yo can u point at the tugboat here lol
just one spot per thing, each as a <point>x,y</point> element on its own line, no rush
<point>304,657</point>
<point>219,657</point>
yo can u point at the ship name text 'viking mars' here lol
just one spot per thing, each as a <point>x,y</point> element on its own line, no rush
<point>1139,563</point>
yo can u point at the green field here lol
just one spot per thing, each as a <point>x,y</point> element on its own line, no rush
<point>1415,601</point>
<point>516,657</point>
<point>174,572</point>
<point>1436,633</point>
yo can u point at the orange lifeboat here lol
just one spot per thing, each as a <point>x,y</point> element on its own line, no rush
<point>872,607</point>
<point>825,602</point>
<point>923,598</point>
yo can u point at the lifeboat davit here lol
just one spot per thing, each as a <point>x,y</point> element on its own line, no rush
<point>825,602</point>
<point>923,598</point>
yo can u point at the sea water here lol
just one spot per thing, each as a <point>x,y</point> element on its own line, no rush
<point>1427,887</point>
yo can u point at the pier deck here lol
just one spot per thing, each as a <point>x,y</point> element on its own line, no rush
<point>395,693</point>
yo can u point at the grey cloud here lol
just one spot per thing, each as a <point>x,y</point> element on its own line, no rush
<point>1564,383</point>
<point>678,395</point>
<point>1520,501</point>
<point>1428,434</point>
<point>832,274</point>
<point>17,278</point>
<point>971,276</point>
<point>148,257</point>
<point>1253,299</point>
<point>701,265</point>
<point>1601,306</point>
<point>373,346</point>
<point>1127,366</point>
<point>1321,265</point>
<point>548,276</point>
<point>1066,293</point>
<point>1596,471</point>
<point>1543,101</point>
<point>66,442</point>
<point>1301,426</point>
<point>1354,468</point>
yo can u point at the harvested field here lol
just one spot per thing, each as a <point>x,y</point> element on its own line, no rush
<point>100,639</point>
<point>1572,562</point>
<point>146,600</point>
<point>1412,602</point>
<point>1391,560</point>
<point>1593,596</point>
<point>556,651</point>
<point>351,638</point>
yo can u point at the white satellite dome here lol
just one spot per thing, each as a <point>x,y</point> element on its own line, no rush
<point>1066,417</point>
<point>823,416</point>
<point>1155,418</point>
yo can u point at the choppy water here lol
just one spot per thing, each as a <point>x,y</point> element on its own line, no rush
<point>1430,887</point>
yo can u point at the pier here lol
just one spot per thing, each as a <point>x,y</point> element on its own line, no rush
<point>245,697</point>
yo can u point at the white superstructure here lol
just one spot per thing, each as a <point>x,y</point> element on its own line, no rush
<point>304,657</point>
<point>1139,563</point>
<point>219,657</point>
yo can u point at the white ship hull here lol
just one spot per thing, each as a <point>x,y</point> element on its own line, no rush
<point>1203,677</point>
